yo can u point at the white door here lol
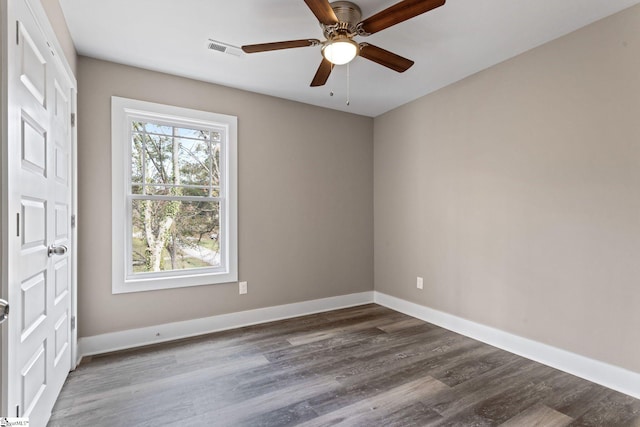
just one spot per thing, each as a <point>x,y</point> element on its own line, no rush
<point>39,182</point>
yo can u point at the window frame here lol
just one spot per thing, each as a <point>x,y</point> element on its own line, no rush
<point>123,112</point>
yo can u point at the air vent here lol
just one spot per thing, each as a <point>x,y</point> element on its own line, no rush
<point>219,46</point>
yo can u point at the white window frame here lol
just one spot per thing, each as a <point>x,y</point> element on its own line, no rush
<point>123,111</point>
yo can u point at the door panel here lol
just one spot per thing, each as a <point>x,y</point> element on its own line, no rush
<point>61,104</point>
<point>62,166</point>
<point>34,380</point>
<point>62,229</point>
<point>34,146</point>
<point>61,338</point>
<point>34,223</point>
<point>33,66</point>
<point>34,304</point>
<point>61,280</point>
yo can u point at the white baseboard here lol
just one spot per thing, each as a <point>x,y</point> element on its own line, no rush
<point>610,376</point>
<point>122,340</point>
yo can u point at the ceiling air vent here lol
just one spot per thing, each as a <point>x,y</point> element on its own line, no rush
<point>218,47</point>
<point>224,47</point>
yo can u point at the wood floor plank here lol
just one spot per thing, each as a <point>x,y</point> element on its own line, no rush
<point>360,366</point>
<point>290,415</point>
<point>475,391</point>
<point>335,344</point>
<point>232,414</point>
<point>374,410</point>
<point>539,416</point>
<point>401,324</point>
<point>514,398</point>
<point>348,326</point>
<point>464,366</point>
<point>68,402</point>
<point>391,367</point>
<point>613,409</point>
<point>364,378</point>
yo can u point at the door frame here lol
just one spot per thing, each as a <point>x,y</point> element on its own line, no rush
<point>4,223</point>
<point>7,29</point>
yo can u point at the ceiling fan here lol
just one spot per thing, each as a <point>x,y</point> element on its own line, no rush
<point>340,22</point>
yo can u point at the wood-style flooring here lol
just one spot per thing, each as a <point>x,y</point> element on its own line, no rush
<point>361,366</point>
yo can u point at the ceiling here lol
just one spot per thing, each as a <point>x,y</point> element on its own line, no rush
<point>447,44</point>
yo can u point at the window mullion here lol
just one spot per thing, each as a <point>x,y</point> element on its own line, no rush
<point>143,147</point>
<point>210,164</point>
<point>222,165</point>
<point>176,198</point>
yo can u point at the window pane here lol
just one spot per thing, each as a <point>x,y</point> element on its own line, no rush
<point>137,154</point>
<point>159,159</point>
<point>191,133</point>
<point>158,129</point>
<point>215,168</point>
<point>194,161</point>
<point>161,190</point>
<point>174,235</point>
<point>163,156</point>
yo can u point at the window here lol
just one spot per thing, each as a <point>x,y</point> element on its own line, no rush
<point>174,196</point>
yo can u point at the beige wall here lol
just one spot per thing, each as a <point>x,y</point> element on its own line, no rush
<point>305,201</point>
<point>59,25</point>
<point>515,193</point>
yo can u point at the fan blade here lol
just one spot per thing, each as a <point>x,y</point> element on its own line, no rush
<point>264,47</point>
<point>398,13</point>
<point>384,57</point>
<point>322,75</point>
<point>322,10</point>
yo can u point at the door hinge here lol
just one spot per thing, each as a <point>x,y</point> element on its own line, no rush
<point>73,221</point>
<point>53,52</point>
<point>73,323</point>
<point>73,119</point>
<point>18,224</point>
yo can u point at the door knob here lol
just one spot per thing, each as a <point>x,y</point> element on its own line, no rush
<point>4,310</point>
<point>57,250</point>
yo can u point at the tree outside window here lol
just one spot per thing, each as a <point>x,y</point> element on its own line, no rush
<point>175,197</point>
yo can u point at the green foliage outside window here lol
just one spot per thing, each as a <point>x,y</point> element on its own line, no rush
<point>175,197</point>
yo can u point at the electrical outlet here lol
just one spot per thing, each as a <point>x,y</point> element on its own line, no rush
<point>420,283</point>
<point>242,288</point>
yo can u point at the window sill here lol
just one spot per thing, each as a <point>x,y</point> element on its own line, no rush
<point>184,281</point>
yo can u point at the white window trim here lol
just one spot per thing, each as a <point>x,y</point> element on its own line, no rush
<point>122,109</point>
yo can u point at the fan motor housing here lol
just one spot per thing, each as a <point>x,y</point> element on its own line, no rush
<point>348,14</point>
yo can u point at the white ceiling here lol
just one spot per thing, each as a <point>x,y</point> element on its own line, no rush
<point>447,44</point>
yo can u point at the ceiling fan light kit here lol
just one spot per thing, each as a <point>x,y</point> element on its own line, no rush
<point>341,22</point>
<point>340,50</point>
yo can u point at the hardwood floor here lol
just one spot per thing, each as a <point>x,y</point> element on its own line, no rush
<point>362,366</point>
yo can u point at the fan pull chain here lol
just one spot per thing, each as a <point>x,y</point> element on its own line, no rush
<point>331,81</point>
<point>348,85</point>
